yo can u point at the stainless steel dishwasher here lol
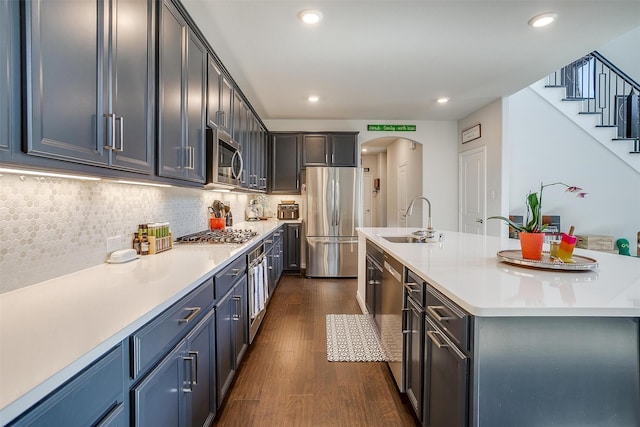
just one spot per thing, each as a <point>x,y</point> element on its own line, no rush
<point>391,335</point>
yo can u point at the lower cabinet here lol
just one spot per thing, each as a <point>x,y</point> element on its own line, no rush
<point>232,334</point>
<point>94,397</point>
<point>292,244</point>
<point>180,390</point>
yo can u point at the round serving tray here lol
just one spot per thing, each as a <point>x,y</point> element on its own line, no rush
<point>582,263</point>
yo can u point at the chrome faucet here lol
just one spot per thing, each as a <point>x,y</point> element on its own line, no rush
<point>410,210</point>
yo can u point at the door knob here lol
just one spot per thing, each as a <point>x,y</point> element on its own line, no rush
<point>480,220</point>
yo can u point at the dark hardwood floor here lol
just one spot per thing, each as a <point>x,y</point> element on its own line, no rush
<point>286,380</point>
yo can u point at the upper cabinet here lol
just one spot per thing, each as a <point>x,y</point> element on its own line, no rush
<point>181,98</point>
<point>9,77</point>
<point>284,163</point>
<point>330,149</point>
<point>90,82</point>
<point>214,75</point>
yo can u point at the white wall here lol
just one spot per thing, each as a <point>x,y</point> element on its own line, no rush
<point>545,146</point>
<point>623,53</point>
<point>439,157</point>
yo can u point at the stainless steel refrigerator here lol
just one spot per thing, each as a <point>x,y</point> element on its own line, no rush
<point>333,213</point>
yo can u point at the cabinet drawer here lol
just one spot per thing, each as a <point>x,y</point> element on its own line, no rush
<point>86,399</point>
<point>227,277</point>
<point>154,340</point>
<point>449,317</point>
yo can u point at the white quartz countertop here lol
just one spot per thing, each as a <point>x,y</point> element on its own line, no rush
<point>465,268</point>
<point>51,330</point>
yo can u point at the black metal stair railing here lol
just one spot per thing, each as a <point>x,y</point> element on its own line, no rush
<point>605,90</point>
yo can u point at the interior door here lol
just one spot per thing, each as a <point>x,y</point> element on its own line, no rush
<point>473,188</point>
<point>367,206</point>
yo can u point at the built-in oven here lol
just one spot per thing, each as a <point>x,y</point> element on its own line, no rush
<point>224,159</point>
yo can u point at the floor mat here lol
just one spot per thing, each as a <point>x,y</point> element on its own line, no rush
<point>353,338</point>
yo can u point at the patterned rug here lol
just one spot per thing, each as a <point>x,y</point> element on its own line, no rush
<point>352,338</point>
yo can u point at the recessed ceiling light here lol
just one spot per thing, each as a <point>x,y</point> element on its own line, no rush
<point>313,98</point>
<point>310,16</point>
<point>542,20</point>
<point>443,100</point>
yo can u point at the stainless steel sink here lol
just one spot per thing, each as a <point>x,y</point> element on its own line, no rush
<point>403,239</point>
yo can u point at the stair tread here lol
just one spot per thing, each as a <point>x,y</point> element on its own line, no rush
<point>624,139</point>
<point>576,99</point>
<point>590,112</point>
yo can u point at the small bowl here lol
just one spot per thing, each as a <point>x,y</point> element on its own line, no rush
<point>217,223</point>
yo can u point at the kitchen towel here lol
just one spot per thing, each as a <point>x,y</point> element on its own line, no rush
<point>353,338</point>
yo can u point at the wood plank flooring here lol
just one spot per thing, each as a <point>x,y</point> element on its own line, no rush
<point>286,380</point>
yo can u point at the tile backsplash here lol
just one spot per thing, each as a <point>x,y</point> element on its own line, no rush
<point>55,226</point>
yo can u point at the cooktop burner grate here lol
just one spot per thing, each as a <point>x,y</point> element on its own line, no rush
<point>228,235</point>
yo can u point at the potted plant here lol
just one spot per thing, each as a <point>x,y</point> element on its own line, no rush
<point>531,232</point>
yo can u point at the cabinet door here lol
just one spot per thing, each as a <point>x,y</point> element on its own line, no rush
<point>344,150</point>
<point>414,360</point>
<point>315,150</point>
<point>202,375</point>
<point>225,352</point>
<point>285,164</point>
<point>213,92</point>
<point>196,73</point>
<point>65,97</point>
<point>292,247</point>
<point>226,104</point>
<point>173,33</point>
<point>240,320</point>
<point>160,399</point>
<point>9,77</point>
<point>132,75</point>
<point>262,165</point>
<point>446,376</point>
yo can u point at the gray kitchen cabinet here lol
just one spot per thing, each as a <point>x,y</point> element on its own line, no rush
<point>180,390</point>
<point>182,98</point>
<point>292,243</point>
<point>9,77</point>
<point>226,104</point>
<point>285,167</point>
<point>330,149</point>
<point>93,397</point>
<point>232,323</point>
<point>254,154</point>
<point>90,90</point>
<point>214,77</point>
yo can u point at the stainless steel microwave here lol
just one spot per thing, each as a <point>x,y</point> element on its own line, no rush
<point>224,159</point>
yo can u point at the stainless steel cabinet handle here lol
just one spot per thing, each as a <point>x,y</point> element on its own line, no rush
<point>191,316</point>
<point>297,233</point>
<point>190,158</point>
<point>236,272</point>
<point>194,354</point>
<point>297,183</point>
<point>112,138</point>
<point>120,134</point>
<point>433,310</point>
<point>332,158</point>
<point>236,315</point>
<point>436,341</point>
<point>189,360</point>
<point>412,288</point>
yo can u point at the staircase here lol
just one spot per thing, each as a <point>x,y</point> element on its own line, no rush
<point>602,100</point>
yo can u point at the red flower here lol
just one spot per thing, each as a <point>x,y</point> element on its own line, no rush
<point>573,189</point>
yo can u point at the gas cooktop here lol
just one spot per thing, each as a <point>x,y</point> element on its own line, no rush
<point>228,235</point>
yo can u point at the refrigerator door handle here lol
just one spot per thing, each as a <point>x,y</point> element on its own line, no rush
<point>337,202</point>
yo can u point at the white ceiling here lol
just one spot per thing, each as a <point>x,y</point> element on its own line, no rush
<point>390,60</point>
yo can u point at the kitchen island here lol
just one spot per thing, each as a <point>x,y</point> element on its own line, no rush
<point>52,330</point>
<point>547,347</point>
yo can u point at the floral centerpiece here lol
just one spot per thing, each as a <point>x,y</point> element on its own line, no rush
<point>531,230</point>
